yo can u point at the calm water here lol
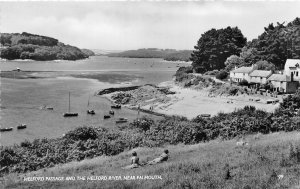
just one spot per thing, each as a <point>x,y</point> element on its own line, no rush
<point>21,99</point>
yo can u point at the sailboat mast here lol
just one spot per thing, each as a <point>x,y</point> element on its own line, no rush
<point>69,102</point>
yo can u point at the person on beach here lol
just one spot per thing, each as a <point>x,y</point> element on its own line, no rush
<point>134,162</point>
<point>163,157</point>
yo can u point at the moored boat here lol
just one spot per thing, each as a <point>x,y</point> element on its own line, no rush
<point>116,106</point>
<point>49,108</point>
<point>121,120</point>
<point>69,113</point>
<point>92,112</point>
<point>106,116</point>
<point>6,129</point>
<point>22,126</point>
<point>205,115</point>
<point>111,112</point>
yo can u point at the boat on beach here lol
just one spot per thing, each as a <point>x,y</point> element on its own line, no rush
<point>106,116</point>
<point>116,106</point>
<point>22,126</point>
<point>6,129</point>
<point>69,113</point>
<point>122,120</point>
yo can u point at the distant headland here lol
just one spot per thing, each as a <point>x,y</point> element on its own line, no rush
<point>166,54</point>
<point>37,47</point>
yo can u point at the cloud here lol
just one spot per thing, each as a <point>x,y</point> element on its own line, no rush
<point>131,25</point>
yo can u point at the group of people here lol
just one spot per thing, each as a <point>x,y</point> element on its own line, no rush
<point>135,163</point>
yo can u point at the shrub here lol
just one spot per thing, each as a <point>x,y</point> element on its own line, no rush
<point>82,133</point>
<point>244,82</point>
<point>222,75</point>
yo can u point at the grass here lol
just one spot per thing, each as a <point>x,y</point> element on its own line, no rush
<point>202,165</point>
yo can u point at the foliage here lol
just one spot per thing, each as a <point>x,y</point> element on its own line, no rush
<point>182,73</point>
<point>215,46</point>
<point>244,82</point>
<point>222,75</point>
<point>88,142</point>
<point>167,54</point>
<point>277,43</point>
<point>213,72</point>
<point>183,55</point>
<point>88,52</point>
<point>265,65</point>
<point>232,62</point>
<point>30,46</point>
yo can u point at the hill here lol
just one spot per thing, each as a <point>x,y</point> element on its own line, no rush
<point>166,54</point>
<point>266,162</point>
<point>37,47</point>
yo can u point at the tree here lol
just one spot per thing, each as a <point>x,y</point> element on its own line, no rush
<point>215,46</point>
<point>232,62</point>
<point>265,65</point>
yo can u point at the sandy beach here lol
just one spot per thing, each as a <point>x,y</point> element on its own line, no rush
<point>191,103</point>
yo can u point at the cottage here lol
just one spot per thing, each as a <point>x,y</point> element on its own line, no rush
<point>283,83</point>
<point>292,68</point>
<point>242,73</point>
<point>260,76</point>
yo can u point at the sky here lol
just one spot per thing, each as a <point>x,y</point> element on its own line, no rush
<point>115,25</point>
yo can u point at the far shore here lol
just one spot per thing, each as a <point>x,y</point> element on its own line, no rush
<point>191,103</point>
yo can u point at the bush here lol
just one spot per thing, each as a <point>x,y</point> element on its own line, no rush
<point>82,133</point>
<point>214,72</point>
<point>222,75</point>
<point>244,82</point>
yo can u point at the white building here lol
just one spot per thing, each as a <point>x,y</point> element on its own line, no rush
<point>259,76</point>
<point>292,68</point>
<point>238,74</point>
<point>283,83</point>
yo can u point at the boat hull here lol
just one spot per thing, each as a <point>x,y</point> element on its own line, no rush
<point>6,129</point>
<point>69,114</point>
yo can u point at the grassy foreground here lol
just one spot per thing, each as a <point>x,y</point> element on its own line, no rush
<point>268,161</point>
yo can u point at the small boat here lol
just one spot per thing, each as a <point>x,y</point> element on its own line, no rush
<point>49,108</point>
<point>6,129</point>
<point>121,120</point>
<point>111,112</point>
<point>106,116</point>
<point>22,126</point>
<point>205,115</point>
<point>69,113</point>
<point>92,112</point>
<point>117,106</point>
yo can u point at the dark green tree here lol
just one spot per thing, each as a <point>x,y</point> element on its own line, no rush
<point>215,46</point>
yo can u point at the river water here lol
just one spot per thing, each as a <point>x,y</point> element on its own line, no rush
<point>22,99</point>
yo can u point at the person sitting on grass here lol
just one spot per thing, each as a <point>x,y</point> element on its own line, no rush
<point>134,162</point>
<point>163,157</point>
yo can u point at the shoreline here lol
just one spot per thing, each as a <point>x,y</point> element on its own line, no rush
<point>191,103</point>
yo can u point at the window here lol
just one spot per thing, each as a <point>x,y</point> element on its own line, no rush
<point>297,74</point>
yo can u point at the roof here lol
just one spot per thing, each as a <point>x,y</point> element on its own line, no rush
<point>260,73</point>
<point>291,63</point>
<point>279,77</point>
<point>243,70</point>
